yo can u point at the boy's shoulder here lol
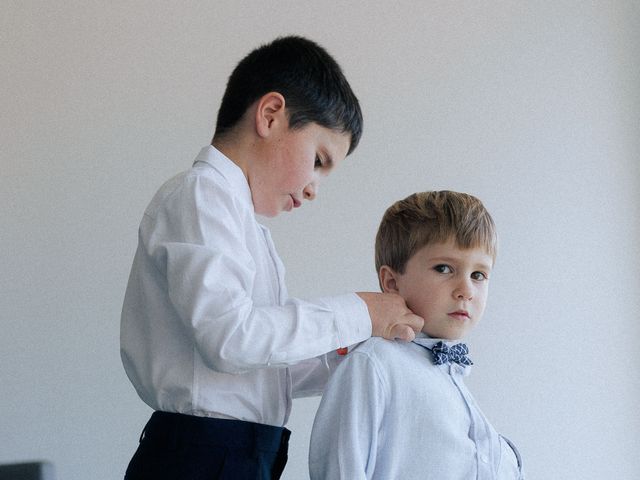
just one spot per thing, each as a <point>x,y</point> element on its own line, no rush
<point>202,184</point>
<point>396,363</point>
<point>378,347</point>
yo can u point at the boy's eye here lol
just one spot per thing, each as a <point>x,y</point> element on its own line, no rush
<point>442,269</point>
<point>318,163</point>
<point>479,276</point>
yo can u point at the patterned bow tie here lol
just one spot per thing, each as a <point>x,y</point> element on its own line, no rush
<point>456,353</point>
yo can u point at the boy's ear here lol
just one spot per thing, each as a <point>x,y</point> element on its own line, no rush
<point>270,112</point>
<point>388,279</point>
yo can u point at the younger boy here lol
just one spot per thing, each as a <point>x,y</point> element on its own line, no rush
<point>209,337</point>
<point>402,411</point>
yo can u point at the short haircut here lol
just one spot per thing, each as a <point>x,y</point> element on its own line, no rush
<point>310,80</point>
<point>428,218</point>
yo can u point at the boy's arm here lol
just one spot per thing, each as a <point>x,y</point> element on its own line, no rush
<point>309,377</point>
<point>344,439</point>
<point>196,244</point>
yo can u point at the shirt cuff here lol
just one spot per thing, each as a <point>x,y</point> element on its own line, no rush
<point>351,317</point>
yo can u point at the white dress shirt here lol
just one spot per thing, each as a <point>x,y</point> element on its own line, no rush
<point>207,328</point>
<point>388,412</point>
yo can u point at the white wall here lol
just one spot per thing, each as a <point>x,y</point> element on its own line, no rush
<point>532,106</point>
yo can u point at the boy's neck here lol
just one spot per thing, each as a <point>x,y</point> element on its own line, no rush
<point>240,144</point>
<point>446,340</point>
<point>234,151</point>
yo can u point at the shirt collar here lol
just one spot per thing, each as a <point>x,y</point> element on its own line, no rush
<point>426,341</point>
<point>231,172</point>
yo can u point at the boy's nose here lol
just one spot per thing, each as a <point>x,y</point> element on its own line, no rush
<point>310,191</point>
<point>463,291</point>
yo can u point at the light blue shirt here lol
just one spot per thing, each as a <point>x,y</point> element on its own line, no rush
<point>388,412</point>
<point>207,327</point>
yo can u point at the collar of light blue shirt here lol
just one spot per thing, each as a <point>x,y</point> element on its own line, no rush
<point>426,341</point>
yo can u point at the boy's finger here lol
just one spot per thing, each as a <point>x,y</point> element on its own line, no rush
<point>401,332</point>
<point>415,322</point>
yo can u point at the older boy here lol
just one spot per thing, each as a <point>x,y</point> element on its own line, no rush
<point>402,411</point>
<point>209,337</point>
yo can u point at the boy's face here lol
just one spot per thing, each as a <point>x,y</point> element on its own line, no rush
<point>446,286</point>
<point>292,163</point>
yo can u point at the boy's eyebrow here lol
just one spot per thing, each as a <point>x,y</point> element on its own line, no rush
<point>444,258</point>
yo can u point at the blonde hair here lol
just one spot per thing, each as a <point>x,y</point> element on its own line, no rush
<point>427,218</point>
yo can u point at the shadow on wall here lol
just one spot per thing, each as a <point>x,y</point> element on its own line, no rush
<point>36,470</point>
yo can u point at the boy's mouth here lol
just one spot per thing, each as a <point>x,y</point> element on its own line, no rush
<point>296,202</point>
<point>460,314</point>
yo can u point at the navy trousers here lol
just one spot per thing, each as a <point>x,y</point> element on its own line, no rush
<point>174,446</point>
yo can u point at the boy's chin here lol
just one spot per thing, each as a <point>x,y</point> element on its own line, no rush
<point>268,213</point>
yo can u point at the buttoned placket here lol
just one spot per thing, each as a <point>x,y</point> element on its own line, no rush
<point>478,431</point>
<point>280,299</point>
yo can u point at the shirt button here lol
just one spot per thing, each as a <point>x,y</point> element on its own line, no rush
<point>484,458</point>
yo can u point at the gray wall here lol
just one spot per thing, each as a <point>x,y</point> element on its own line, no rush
<point>532,106</point>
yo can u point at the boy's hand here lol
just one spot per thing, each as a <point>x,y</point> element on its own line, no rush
<point>390,316</point>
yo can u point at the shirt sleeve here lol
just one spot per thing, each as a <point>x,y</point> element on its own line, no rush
<point>196,241</point>
<point>309,377</point>
<point>344,438</point>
